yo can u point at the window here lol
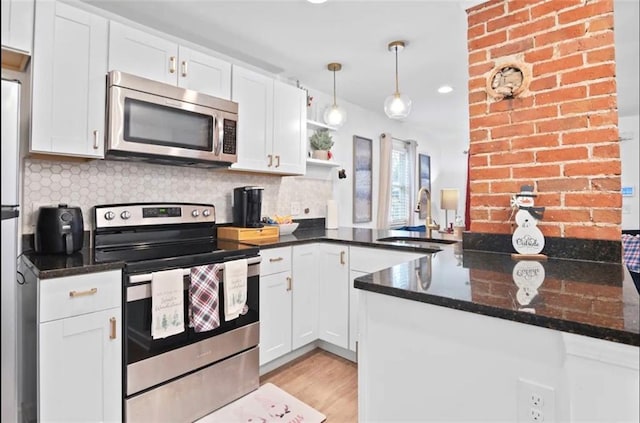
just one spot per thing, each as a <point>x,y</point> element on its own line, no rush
<point>401,184</point>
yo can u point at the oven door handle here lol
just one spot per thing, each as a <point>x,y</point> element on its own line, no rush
<point>143,290</point>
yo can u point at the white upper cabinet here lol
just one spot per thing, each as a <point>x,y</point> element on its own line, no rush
<point>271,124</point>
<point>289,128</point>
<point>254,94</point>
<point>69,68</point>
<point>149,56</point>
<point>204,73</point>
<point>17,25</point>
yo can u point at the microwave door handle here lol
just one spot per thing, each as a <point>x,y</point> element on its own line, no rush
<point>218,136</point>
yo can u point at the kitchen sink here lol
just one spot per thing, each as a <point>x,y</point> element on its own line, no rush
<point>413,240</point>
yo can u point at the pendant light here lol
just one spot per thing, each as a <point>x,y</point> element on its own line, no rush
<point>397,106</point>
<point>334,115</point>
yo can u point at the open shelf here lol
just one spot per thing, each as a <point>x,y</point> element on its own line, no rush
<point>319,125</point>
<point>323,163</point>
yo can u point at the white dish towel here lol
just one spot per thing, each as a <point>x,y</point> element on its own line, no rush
<point>167,303</point>
<point>235,288</point>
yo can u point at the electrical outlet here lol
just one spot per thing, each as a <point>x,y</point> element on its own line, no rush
<point>536,399</point>
<point>295,208</point>
<point>536,402</point>
<point>536,415</point>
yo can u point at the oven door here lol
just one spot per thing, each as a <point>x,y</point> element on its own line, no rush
<point>150,362</point>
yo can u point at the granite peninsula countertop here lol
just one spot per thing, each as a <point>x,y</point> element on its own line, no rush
<point>595,299</point>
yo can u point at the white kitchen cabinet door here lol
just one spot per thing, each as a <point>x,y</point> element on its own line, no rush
<point>80,368</point>
<point>305,295</point>
<point>333,324</point>
<point>142,54</point>
<point>69,67</point>
<point>289,128</point>
<point>254,94</point>
<point>275,316</point>
<point>361,262</point>
<point>354,306</point>
<point>17,25</point>
<point>204,73</point>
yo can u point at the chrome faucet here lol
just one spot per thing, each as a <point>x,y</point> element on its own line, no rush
<point>430,224</point>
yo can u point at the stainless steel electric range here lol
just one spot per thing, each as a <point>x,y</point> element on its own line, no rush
<point>182,377</point>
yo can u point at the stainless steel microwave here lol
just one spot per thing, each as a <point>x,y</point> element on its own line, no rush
<point>157,122</point>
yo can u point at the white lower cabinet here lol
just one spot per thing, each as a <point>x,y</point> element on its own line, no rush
<point>80,368</point>
<point>80,348</point>
<point>354,305</point>
<point>333,324</point>
<point>305,295</point>
<point>275,303</point>
<point>363,261</point>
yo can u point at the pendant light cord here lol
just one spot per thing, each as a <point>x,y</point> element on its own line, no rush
<point>396,49</point>
<point>334,88</point>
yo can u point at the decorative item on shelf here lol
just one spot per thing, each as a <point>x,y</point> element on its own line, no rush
<point>335,115</point>
<point>397,106</point>
<point>321,142</point>
<point>449,201</point>
<point>527,239</point>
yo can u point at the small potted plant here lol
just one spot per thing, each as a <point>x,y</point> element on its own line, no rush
<point>321,142</point>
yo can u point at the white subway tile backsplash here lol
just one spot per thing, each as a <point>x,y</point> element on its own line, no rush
<point>86,184</point>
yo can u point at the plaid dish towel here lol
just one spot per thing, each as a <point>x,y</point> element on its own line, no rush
<point>203,297</point>
<point>631,251</point>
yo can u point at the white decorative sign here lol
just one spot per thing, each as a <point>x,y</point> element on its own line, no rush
<point>527,238</point>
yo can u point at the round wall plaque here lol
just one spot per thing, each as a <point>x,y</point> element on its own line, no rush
<point>507,81</point>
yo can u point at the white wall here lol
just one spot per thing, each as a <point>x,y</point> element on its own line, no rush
<point>629,126</point>
<point>448,168</point>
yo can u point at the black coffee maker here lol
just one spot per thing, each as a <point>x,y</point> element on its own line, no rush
<point>247,206</point>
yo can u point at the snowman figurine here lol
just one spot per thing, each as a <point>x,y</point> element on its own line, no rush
<point>527,238</point>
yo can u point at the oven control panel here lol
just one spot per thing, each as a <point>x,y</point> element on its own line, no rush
<point>116,215</point>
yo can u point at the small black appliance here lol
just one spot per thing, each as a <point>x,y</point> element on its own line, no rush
<point>247,207</point>
<point>59,230</point>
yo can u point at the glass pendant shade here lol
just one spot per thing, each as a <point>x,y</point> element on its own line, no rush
<point>334,115</point>
<point>397,106</point>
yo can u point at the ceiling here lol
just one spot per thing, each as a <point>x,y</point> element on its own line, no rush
<point>296,40</point>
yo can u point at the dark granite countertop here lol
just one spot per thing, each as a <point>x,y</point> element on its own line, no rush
<point>48,266</point>
<point>595,299</point>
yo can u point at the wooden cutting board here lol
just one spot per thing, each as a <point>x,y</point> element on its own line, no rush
<point>246,234</point>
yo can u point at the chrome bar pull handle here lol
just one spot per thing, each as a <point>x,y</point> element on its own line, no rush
<point>270,160</point>
<point>275,259</point>
<point>112,328</point>
<point>278,161</point>
<point>75,294</point>
<point>342,257</point>
<point>184,68</point>
<point>289,283</point>
<point>172,64</point>
<point>96,137</point>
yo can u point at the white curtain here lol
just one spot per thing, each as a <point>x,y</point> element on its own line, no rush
<point>412,147</point>
<point>384,187</point>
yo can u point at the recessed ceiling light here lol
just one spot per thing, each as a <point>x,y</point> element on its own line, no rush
<point>445,89</point>
<point>316,1</point>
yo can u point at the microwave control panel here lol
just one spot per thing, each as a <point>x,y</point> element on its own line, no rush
<point>229,137</point>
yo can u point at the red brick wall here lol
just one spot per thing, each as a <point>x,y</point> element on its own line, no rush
<point>561,133</point>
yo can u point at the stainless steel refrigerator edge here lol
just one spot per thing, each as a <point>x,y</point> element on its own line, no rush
<point>10,213</point>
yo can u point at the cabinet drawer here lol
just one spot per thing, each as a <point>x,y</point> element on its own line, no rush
<point>79,294</point>
<point>275,260</point>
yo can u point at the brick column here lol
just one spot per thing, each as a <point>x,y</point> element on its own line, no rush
<point>560,133</point>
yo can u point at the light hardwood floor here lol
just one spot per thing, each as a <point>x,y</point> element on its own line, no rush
<point>324,381</point>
